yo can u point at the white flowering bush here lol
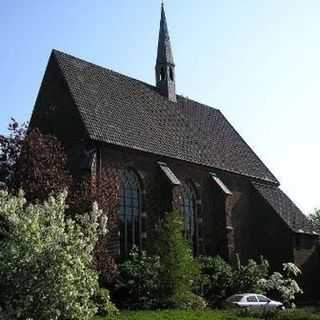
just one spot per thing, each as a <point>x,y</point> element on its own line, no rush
<point>285,285</point>
<point>45,260</point>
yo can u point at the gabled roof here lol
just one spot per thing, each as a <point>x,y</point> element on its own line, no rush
<point>126,112</point>
<point>285,207</point>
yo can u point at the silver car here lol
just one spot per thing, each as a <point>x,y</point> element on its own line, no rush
<point>253,301</point>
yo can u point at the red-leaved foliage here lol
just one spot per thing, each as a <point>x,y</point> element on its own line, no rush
<point>41,168</point>
<point>103,189</point>
<point>37,164</point>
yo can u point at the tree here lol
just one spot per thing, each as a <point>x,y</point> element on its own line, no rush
<point>46,260</point>
<point>38,164</point>
<point>315,219</point>
<point>178,268</point>
<point>33,162</point>
<point>10,149</point>
<point>41,168</point>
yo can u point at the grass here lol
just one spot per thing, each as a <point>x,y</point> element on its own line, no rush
<point>298,314</point>
<point>176,315</point>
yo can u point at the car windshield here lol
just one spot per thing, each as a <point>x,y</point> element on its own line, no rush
<point>263,299</point>
<point>235,298</point>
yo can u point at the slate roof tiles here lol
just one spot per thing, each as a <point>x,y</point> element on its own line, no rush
<point>120,110</point>
<point>285,207</point>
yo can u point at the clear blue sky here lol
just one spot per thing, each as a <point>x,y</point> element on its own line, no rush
<point>257,61</point>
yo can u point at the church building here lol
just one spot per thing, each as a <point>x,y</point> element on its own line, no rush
<point>171,153</point>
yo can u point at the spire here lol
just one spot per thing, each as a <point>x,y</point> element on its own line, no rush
<point>164,45</point>
<point>165,67</point>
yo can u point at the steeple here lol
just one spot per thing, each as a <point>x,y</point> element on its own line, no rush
<point>165,67</point>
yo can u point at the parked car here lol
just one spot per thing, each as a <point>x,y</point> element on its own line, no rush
<point>253,301</point>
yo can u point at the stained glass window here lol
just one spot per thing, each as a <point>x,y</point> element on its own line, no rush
<point>130,210</point>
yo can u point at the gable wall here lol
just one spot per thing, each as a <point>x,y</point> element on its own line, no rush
<point>54,111</point>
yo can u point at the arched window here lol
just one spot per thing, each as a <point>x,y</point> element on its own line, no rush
<point>171,74</point>
<point>162,74</point>
<point>130,211</point>
<point>189,208</point>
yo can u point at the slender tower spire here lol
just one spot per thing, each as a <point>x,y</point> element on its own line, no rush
<point>165,67</point>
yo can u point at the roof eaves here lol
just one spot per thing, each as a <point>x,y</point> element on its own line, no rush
<point>119,144</point>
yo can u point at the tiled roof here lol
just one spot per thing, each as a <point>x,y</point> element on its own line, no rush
<point>123,111</point>
<point>285,207</point>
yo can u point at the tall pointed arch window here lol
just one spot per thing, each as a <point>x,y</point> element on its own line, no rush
<point>171,74</point>
<point>130,211</point>
<point>162,74</point>
<point>189,209</point>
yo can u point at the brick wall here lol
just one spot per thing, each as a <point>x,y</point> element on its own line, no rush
<point>242,223</point>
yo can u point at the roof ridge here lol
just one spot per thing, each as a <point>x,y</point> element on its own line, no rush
<point>155,89</point>
<point>55,51</point>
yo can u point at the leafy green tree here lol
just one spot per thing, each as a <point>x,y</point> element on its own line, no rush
<point>215,281</point>
<point>178,268</point>
<point>139,286</point>
<point>10,149</point>
<point>45,260</point>
<point>315,219</point>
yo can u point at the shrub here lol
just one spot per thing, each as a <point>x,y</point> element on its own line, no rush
<point>189,301</point>
<point>45,260</point>
<point>105,264</point>
<point>103,303</point>
<point>38,164</point>
<point>215,280</point>
<point>139,284</point>
<point>246,278</point>
<point>285,284</point>
<point>178,269</point>
<point>104,190</point>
